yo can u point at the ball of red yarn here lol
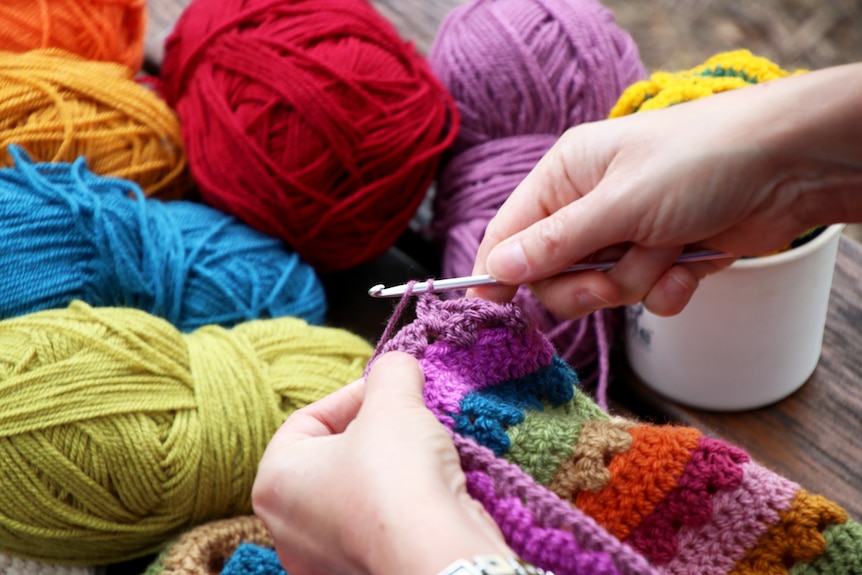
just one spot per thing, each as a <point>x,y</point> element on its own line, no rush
<point>104,30</point>
<point>521,73</point>
<point>311,120</point>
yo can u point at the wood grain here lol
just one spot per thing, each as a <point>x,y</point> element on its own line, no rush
<point>813,437</point>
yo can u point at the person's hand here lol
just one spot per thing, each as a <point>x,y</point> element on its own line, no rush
<point>743,172</point>
<point>367,480</point>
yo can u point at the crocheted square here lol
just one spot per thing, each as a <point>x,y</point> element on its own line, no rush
<point>575,490</point>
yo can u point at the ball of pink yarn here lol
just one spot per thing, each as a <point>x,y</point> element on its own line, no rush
<point>521,73</point>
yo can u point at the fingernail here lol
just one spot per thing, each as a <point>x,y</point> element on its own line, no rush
<point>591,301</point>
<point>507,262</point>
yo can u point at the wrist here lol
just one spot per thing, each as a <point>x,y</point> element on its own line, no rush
<point>424,538</point>
<point>815,131</point>
<point>492,565</point>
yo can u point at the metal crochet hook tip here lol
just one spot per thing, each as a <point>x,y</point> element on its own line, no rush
<point>380,291</point>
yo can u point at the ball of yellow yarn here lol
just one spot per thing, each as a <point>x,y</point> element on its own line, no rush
<point>117,432</point>
<point>109,30</point>
<point>722,72</point>
<point>58,107</point>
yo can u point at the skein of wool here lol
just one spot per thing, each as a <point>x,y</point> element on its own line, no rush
<point>59,106</point>
<point>104,30</point>
<point>69,234</point>
<point>311,120</point>
<point>117,432</point>
<point>521,73</point>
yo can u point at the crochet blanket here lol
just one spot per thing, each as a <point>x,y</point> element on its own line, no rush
<point>577,491</point>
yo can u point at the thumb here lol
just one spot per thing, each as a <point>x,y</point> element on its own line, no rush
<point>395,382</point>
<point>560,239</point>
<point>559,213</point>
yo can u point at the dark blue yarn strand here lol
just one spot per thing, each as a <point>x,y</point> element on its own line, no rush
<point>66,234</point>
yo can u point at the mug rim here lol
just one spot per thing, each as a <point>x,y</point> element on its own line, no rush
<point>792,254</point>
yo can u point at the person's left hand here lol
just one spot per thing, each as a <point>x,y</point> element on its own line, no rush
<point>367,480</point>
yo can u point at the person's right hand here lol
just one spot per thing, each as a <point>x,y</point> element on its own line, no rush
<point>741,172</point>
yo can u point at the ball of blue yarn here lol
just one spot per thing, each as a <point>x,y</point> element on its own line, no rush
<point>68,234</point>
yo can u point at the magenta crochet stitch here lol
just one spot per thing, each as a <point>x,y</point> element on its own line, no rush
<point>521,73</point>
<point>577,491</point>
<point>466,346</point>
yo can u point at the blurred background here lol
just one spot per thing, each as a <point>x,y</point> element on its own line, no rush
<point>678,34</point>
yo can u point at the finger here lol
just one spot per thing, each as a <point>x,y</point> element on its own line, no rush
<point>567,172</point>
<point>328,416</point>
<point>575,295</point>
<point>562,293</point>
<point>545,190</point>
<point>572,296</point>
<point>498,293</point>
<point>672,292</point>
<point>570,234</point>
<point>639,269</point>
<point>396,380</point>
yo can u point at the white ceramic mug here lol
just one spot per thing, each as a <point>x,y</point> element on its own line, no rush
<point>750,336</point>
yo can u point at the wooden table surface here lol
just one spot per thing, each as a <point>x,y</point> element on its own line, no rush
<point>813,437</point>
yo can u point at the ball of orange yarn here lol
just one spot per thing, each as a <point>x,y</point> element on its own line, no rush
<point>106,30</point>
<point>311,120</point>
<point>59,106</point>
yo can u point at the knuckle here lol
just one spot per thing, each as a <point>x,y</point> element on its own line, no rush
<point>549,239</point>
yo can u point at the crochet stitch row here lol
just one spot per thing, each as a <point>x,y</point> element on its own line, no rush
<point>575,490</point>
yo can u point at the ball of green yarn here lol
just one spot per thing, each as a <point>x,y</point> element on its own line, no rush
<point>117,432</point>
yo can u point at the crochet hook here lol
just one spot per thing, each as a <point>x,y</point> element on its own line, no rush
<point>380,291</point>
